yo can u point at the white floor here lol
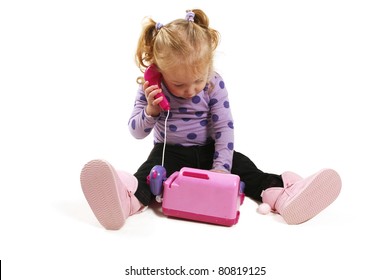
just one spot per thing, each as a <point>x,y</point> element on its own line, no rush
<point>308,84</point>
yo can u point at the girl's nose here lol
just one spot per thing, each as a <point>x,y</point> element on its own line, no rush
<point>190,92</point>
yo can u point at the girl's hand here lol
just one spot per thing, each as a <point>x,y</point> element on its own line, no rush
<point>152,109</point>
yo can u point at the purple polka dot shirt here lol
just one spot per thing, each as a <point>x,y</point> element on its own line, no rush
<point>196,121</point>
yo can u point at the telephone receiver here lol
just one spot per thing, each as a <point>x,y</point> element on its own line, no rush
<point>154,77</point>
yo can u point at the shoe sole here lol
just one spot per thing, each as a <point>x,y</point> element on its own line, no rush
<point>99,183</point>
<point>319,194</point>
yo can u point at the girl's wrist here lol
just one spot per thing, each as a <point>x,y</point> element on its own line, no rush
<point>150,112</point>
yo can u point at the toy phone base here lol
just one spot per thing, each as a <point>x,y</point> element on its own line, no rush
<point>202,195</point>
<point>200,217</point>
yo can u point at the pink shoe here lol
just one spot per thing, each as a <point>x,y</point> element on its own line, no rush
<point>302,199</point>
<point>109,193</point>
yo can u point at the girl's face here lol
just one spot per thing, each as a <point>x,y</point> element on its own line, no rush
<point>183,83</point>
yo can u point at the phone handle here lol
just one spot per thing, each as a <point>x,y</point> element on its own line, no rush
<point>154,77</point>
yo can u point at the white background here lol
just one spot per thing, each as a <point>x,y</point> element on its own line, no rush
<point>309,88</point>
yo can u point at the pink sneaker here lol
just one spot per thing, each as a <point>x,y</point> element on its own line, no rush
<point>109,193</point>
<point>302,199</point>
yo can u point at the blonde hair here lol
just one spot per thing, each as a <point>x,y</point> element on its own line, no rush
<point>180,42</point>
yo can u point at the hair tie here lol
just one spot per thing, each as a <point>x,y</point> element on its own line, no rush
<point>159,26</point>
<point>190,16</point>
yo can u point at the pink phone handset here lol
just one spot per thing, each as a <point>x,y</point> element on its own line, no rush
<point>153,76</point>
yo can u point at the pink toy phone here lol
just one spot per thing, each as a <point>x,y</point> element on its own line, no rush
<point>153,76</point>
<point>204,196</point>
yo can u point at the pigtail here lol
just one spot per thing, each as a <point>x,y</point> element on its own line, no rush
<point>202,20</point>
<point>144,54</point>
<point>198,17</point>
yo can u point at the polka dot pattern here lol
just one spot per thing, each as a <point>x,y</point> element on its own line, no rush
<point>182,110</point>
<point>199,114</point>
<point>191,136</point>
<point>196,99</point>
<point>133,124</point>
<point>212,102</point>
<point>203,118</point>
<point>172,128</point>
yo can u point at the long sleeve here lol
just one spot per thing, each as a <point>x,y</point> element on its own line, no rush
<point>140,124</point>
<point>222,127</point>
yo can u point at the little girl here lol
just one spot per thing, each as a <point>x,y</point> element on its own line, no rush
<point>198,131</point>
